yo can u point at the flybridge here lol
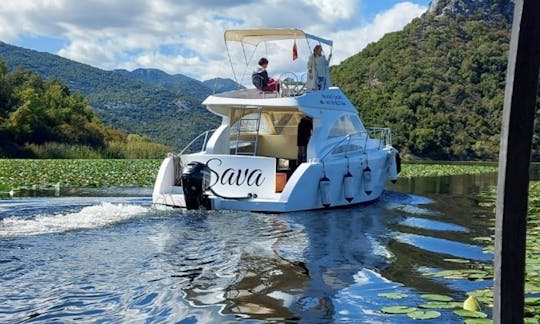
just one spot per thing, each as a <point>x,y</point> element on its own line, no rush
<point>276,42</point>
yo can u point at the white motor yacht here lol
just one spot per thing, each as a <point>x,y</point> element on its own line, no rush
<point>250,162</point>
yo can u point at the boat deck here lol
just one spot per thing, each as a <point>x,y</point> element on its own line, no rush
<point>258,94</point>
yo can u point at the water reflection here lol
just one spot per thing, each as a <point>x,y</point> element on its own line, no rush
<point>445,247</point>
<point>432,225</point>
<point>221,266</point>
<point>236,261</point>
<point>317,266</point>
<point>456,185</point>
<point>265,266</point>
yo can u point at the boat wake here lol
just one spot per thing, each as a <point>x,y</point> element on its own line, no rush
<point>95,216</point>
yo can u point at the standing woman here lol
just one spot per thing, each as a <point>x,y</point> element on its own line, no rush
<point>318,75</point>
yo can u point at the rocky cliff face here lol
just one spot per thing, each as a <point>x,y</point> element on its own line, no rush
<point>480,9</point>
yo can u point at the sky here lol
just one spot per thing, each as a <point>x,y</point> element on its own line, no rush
<point>186,37</point>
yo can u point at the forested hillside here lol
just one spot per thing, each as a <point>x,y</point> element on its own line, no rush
<point>172,116</point>
<point>178,84</point>
<point>38,117</point>
<point>181,84</point>
<point>438,83</point>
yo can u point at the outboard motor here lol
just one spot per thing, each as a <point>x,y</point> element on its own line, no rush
<point>195,181</point>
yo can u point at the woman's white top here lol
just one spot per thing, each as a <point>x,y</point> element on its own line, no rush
<point>317,68</point>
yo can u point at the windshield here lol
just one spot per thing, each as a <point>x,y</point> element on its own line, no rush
<point>346,125</point>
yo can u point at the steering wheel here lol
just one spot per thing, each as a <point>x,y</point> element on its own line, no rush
<point>289,84</point>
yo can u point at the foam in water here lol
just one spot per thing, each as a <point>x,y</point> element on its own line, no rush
<point>89,217</point>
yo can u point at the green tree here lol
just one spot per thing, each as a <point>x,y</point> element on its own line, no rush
<point>438,83</point>
<point>36,112</point>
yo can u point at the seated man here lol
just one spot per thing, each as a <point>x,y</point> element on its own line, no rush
<point>261,80</point>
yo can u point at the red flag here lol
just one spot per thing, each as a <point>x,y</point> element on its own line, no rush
<point>294,51</point>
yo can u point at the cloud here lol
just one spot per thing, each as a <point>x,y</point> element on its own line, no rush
<point>187,36</point>
<point>350,42</point>
<point>336,10</point>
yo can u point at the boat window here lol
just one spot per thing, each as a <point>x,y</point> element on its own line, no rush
<point>249,124</point>
<point>272,122</point>
<point>346,125</point>
<point>346,148</point>
<point>285,123</point>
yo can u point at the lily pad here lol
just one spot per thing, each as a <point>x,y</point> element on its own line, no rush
<point>531,288</point>
<point>393,295</point>
<point>529,311</point>
<point>397,309</point>
<point>483,239</point>
<point>532,300</point>
<point>437,297</point>
<point>471,314</point>
<point>450,274</point>
<point>485,300</point>
<point>478,321</point>
<point>483,275</point>
<point>423,315</point>
<point>482,292</point>
<point>439,304</point>
<point>457,260</point>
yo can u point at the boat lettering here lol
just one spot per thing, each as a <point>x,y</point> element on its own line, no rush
<point>250,177</point>
<point>236,177</point>
<point>212,170</point>
<point>336,100</point>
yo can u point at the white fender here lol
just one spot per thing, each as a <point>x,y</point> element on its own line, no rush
<point>391,165</point>
<point>324,189</point>
<point>348,190</point>
<point>366,177</point>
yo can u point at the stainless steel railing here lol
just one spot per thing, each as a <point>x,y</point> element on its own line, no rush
<point>201,139</point>
<point>384,135</point>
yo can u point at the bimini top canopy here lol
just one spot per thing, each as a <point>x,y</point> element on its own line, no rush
<point>255,36</point>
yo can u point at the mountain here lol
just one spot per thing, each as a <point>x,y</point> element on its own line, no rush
<point>478,9</point>
<point>219,85</point>
<point>438,83</point>
<point>177,83</point>
<point>150,102</point>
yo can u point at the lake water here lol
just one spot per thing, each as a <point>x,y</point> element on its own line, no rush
<point>108,256</point>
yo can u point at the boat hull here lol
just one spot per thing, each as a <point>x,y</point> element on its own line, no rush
<point>236,188</point>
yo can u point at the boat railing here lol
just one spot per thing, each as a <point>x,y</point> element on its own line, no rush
<point>292,84</point>
<point>358,142</point>
<point>200,141</point>
<point>382,133</point>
